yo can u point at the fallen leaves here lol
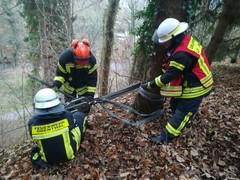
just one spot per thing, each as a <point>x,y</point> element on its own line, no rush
<point>209,149</point>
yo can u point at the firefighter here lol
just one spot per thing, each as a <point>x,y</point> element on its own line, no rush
<point>186,77</point>
<point>56,131</point>
<point>76,71</point>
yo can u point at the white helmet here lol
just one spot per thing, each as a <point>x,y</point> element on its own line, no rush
<point>168,29</point>
<point>46,101</point>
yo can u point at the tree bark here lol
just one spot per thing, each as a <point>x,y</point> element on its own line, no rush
<point>148,68</point>
<point>108,31</point>
<point>229,15</point>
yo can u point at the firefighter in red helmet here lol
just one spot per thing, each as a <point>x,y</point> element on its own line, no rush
<point>76,71</point>
<point>186,77</point>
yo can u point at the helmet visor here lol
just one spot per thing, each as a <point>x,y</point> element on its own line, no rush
<point>155,37</point>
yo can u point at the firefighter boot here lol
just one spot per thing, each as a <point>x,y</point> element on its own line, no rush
<point>164,136</point>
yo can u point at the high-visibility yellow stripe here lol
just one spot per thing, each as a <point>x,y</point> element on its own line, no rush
<point>59,128</point>
<point>69,66</point>
<point>172,33</point>
<point>92,69</point>
<point>61,68</point>
<point>158,81</point>
<point>171,94</point>
<point>194,46</point>
<point>50,128</point>
<point>171,130</point>
<point>197,48</point>
<point>207,81</point>
<point>84,124</point>
<point>59,78</point>
<point>185,121</point>
<point>176,132</point>
<point>177,65</point>
<point>171,90</point>
<point>195,94</point>
<point>67,145</point>
<point>49,135</point>
<point>77,137</point>
<point>91,89</point>
<point>82,90</point>
<point>203,66</point>
<point>43,156</point>
<point>177,91</point>
<point>35,156</point>
<point>68,89</point>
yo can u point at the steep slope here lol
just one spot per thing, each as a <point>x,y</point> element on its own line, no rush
<point>209,149</point>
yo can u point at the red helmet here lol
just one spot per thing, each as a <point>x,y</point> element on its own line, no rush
<point>86,41</point>
<point>74,43</point>
<point>81,52</point>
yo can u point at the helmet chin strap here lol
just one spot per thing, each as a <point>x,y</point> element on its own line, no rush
<point>168,44</point>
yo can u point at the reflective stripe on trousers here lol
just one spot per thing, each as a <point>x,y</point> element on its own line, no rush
<point>183,111</point>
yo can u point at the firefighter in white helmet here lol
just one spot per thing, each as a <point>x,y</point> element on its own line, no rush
<point>56,131</point>
<point>186,76</point>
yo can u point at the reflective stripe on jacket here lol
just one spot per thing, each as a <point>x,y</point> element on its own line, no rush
<point>75,77</point>
<point>201,69</point>
<point>57,137</point>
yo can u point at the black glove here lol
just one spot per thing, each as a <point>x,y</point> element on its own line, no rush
<point>56,85</point>
<point>55,88</point>
<point>146,85</point>
<point>89,95</point>
<point>90,98</point>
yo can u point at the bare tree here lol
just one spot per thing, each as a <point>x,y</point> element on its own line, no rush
<point>11,45</point>
<point>108,32</point>
<point>55,26</point>
<point>229,14</point>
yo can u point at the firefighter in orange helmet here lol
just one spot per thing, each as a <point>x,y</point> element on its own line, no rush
<point>186,77</point>
<point>76,71</point>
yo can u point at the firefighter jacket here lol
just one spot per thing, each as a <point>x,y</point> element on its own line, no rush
<point>57,136</point>
<point>75,78</point>
<point>186,71</point>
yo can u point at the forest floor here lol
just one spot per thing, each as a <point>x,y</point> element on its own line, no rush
<point>209,149</point>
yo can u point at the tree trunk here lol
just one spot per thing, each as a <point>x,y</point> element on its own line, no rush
<point>108,31</point>
<point>228,16</point>
<point>148,68</point>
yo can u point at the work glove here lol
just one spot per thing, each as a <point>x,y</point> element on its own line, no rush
<point>146,85</point>
<point>55,88</point>
<point>89,95</point>
<point>90,98</point>
<point>56,85</point>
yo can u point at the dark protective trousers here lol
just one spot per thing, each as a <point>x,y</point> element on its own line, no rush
<point>81,121</point>
<point>182,113</point>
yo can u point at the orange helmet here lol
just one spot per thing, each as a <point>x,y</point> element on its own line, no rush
<point>74,43</point>
<point>81,50</point>
<point>86,41</point>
